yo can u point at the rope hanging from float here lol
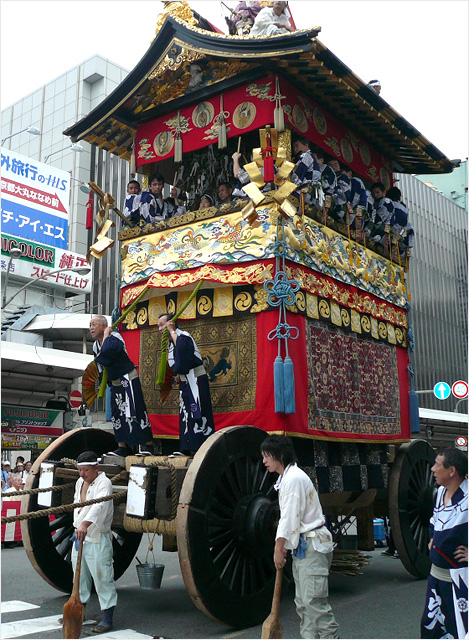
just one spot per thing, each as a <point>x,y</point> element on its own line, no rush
<point>282,292</point>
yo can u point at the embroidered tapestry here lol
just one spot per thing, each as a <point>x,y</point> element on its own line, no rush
<point>228,349</point>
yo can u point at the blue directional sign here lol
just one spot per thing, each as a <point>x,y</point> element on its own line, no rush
<point>442,390</point>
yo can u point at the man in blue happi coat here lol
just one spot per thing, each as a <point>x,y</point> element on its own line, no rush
<point>129,414</point>
<point>196,422</point>
<point>445,614</point>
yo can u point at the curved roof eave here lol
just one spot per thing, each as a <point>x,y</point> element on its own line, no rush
<point>207,42</point>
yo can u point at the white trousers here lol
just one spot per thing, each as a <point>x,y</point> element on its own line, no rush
<point>311,590</point>
<point>96,565</point>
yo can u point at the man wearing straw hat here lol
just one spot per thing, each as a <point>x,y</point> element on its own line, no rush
<point>93,528</point>
<point>129,413</point>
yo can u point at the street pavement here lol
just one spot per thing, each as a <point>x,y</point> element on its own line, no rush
<point>384,602</point>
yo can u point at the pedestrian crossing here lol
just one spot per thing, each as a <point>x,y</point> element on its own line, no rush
<point>45,624</point>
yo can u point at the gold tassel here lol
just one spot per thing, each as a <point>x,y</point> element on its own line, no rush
<point>178,141</point>
<point>222,137</point>
<point>279,119</point>
<point>178,149</point>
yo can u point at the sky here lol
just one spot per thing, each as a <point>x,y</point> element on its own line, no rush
<point>418,49</point>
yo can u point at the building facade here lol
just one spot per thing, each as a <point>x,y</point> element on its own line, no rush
<point>52,108</point>
<point>438,288</point>
<point>452,185</point>
<point>45,339</point>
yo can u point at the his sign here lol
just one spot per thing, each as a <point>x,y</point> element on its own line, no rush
<point>35,200</point>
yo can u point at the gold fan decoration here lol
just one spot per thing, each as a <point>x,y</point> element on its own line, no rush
<point>90,384</point>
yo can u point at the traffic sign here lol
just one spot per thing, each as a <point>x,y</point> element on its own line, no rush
<point>460,389</point>
<point>75,399</point>
<point>442,390</point>
<point>461,442</point>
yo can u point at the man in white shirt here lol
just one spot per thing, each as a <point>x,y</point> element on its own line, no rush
<point>93,527</point>
<point>302,530</point>
<point>271,21</point>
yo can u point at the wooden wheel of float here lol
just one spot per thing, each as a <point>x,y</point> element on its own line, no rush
<point>411,499</point>
<point>227,515</point>
<point>47,543</point>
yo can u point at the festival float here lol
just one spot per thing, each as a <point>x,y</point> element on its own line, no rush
<point>302,321</point>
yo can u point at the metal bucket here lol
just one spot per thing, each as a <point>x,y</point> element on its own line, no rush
<point>150,575</point>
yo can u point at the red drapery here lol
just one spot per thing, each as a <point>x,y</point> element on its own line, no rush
<point>250,107</point>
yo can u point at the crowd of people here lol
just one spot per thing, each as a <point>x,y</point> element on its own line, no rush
<point>327,188</point>
<point>13,477</point>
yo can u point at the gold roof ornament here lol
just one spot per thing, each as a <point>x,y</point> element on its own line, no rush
<point>177,9</point>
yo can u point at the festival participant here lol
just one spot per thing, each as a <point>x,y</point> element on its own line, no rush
<point>307,170</point>
<point>271,21</point>
<point>93,527</point>
<point>357,196</point>
<point>225,193</point>
<point>131,212</point>
<point>302,531</point>
<point>342,190</point>
<point>152,206</point>
<point>242,17</point>
<point>445,613</point>
<point>129,413</point>
<point>375,85</point>
<point>382,213</point>
<point>400,221</point>
<point>328,177</point>
<point>244,178</point>
<point>206,202</point>
<point>196,422</point>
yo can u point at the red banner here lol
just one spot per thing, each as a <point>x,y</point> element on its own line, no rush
<point>251,107</point>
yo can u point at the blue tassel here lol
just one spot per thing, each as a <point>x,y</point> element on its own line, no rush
<point>414,412</point>
<point>289,385</point>
<point>279,385</point>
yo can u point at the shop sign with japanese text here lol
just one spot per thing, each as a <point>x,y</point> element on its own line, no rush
<point>35,200</point>
<point>31,421</point>
<point>37,260</point>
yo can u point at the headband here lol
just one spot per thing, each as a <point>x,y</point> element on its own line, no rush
<point>375,83</point>
<point>86,464</point>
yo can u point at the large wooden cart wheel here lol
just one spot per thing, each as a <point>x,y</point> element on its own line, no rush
<point>411,498</point>
<point>47,543</point>
<point>226,523</point>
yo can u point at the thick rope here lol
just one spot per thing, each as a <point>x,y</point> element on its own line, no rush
<point>54,488</point>
<point>63,508</point>
<point>31,492</point>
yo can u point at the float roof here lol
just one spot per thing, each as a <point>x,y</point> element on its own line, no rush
<point>159,85</point>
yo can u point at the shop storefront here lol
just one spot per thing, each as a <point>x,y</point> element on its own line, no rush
<point>28,430</point>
